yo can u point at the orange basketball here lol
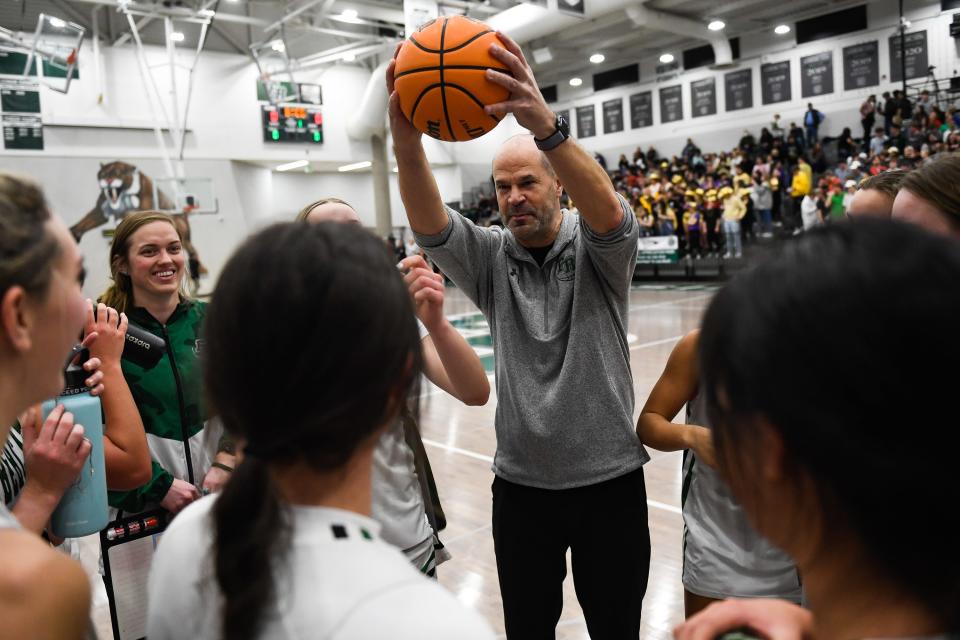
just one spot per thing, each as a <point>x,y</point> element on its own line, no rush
<point>440,77</point>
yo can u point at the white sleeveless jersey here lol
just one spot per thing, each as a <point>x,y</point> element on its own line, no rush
<point>723,556</point>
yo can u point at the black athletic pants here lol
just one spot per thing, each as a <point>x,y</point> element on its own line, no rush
<point>604,526</point>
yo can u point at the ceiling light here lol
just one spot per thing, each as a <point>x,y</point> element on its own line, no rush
<point>350,15</point>
<point>57,23</point>
<point>716,25</point>
<point>782,29</point>
<point>575,82</point>
<point>292,165</point>
<point>277,45</point>
<point>597,58</point>
<point>177,36</point>
<point>349,57</point>
<point>542,55</point>
<point>666,58</point>
<point>207,13</point>
<point>354,166</point>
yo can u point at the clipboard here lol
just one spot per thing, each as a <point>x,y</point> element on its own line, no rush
<point>127,547</point>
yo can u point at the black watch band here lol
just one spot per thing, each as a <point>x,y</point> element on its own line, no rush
<point>561,133</point>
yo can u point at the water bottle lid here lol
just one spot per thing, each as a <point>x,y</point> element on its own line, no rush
<point>74,375</point>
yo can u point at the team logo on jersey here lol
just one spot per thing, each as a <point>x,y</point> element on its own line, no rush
<point>566,268</point>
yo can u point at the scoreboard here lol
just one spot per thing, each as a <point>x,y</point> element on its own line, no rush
<point>292,123</point>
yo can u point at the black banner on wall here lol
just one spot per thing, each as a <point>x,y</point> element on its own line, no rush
<point>861,65</point>
<point>671,103</point>
<point>613,116</point>
<point>641,110</point>
<point>586,121</point>
<point>738,89</point>
<point>775,82</point>
<point>917,57</point>
<point>703,97</point>
<point>816,74</point>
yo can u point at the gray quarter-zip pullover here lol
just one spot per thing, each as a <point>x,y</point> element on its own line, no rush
<point>564,388</point>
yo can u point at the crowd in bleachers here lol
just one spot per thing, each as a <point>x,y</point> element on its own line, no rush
<point>785,179</point>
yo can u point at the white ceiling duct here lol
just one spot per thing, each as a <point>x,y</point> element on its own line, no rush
<point>525,22</point>
<point>370,116</point>
<point>672,23</point>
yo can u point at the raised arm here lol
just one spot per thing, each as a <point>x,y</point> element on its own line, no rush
<point>418,188</point>
<point>125,442</point>
<point>449,361</point>
<point>582,176</point>
<point>677,385</point>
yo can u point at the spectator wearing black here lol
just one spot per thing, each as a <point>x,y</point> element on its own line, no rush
<point>689,150</point>
<point>766,140</point>
<point>818,160</point>
<point>868,116</point>
<point>904,106</point>
<point>915,135</point>
<point>896,138</point>
<point>797,134</point>
<point>846,146</point>
<point>890,107</point>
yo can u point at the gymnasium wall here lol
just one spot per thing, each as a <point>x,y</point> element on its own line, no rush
<point>723,130</point>
<point>224,143</point>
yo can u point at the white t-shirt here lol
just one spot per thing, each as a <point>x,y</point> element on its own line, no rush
<point>809,212</point>
<point>397,502</point>
<point>338,582</point>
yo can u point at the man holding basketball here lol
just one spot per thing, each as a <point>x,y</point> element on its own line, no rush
<point>554,287</point>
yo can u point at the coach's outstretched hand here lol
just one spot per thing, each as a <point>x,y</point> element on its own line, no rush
<point>526,102</point>
<point>403,131</point>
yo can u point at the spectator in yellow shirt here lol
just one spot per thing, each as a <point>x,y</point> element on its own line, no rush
<point>733,211</point>
<point>799,187</point>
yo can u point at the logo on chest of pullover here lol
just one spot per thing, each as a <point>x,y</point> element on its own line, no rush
<point>566,267</point>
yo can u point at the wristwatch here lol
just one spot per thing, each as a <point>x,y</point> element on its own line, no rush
<point>557,137</point>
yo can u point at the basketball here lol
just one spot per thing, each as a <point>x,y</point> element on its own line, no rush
<point>440,78</point>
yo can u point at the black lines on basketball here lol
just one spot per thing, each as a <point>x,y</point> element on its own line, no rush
<point>451,67</point>
<point>451,49</point>
<point>472,97</point>
<point>413,112</point>
<point>443,94</point>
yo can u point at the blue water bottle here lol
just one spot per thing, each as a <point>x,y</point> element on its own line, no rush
<point>83,508</point>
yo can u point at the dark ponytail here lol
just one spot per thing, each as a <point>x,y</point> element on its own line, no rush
<point>312,347</point>
<point>250,526</point>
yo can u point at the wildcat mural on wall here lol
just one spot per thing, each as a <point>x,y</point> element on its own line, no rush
<point>125,189</point>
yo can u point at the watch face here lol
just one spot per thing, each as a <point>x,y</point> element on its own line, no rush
<point>563,126</point>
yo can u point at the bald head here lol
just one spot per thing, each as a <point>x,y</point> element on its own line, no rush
<point>522,146</point>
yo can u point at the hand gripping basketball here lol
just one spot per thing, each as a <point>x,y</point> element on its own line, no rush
<point>439,78</point>
<point>526,102</point>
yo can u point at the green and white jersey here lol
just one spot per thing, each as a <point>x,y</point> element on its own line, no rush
<point>723,555</point>
<point>169,396</point>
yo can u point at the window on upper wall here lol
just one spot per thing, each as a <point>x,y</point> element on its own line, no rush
<point>832,24</point>
<point>618,77</point>
<point>703,56</point>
